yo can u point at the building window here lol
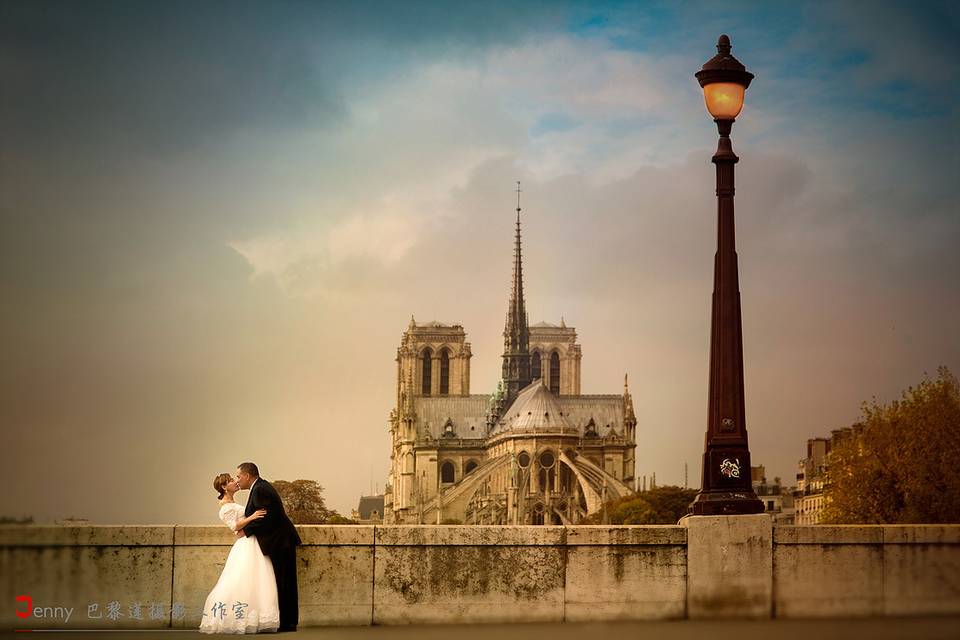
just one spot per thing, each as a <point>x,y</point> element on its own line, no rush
<point>547,480</point>
<point>427,377</point>
<point>471,465</point>
<point>537,516</point>
<point>447,472</point>
<point>444,372</point>
<point>535,370</point>
<point>555,373</point>
<point>547,460</point>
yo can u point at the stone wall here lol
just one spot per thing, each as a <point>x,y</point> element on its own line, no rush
<point>724,566</point>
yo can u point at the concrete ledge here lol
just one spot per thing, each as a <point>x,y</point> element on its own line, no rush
<point>921,534</point>
<point>109,535</point>
<point>337,535</point>
<point>203,536</point>
<point>828,534</point>
<point>469,535</point>
<point>713,567</point>
<point>606,535</point>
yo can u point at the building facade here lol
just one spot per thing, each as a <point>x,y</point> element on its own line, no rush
<point>533,451</point>
<point>809,498</point>
<point>777,500</point>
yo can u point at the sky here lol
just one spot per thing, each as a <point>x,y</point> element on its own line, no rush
<point>218,218</point>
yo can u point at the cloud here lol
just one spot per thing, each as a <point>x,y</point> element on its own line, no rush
<point>335,259</point>
<point>174,77</point>
<point>419,136</point>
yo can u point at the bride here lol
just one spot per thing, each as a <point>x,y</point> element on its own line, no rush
<point>244,599</point>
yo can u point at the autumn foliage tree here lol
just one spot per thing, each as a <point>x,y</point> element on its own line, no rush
<point>662,505</point>
<point>303,501</point>
<point>901,463</point>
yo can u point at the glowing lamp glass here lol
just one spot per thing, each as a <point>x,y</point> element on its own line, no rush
<point>724,99</point>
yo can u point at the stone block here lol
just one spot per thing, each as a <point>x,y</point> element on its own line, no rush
<point>477,574</point>
<point>729,566</point>
<point>921,570</point>
<point>829,580</point>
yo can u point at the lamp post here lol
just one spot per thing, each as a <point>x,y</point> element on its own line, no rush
<point>725,482</point>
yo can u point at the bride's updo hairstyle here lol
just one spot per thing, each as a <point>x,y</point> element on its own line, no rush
<point>220,481</point>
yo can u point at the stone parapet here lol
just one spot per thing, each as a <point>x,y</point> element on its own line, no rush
<point>158,576</point>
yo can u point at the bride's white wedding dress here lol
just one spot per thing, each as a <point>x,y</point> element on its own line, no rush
<point>244,599</point>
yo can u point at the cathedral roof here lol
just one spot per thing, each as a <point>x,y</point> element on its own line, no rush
<point>434,324</point>
<point>606,411</point>
<point>535,410</point>
<point>467,414</point>
<point>369,504</point>
<point>544,325</point>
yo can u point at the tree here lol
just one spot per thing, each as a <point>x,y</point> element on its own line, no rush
<point>899,464</point>
<point>303,501</point>
<point>661,505</point>
<point>336,518</point>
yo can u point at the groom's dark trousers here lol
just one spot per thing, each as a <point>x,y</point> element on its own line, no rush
<point>278,540</point>
<point>285,570</point>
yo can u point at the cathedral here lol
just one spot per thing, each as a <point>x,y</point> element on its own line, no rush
<point>535,451</point>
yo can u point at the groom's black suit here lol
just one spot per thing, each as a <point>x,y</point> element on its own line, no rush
<point>278,540</point>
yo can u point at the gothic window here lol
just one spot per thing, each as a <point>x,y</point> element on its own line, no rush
<point>408,463</point>
<point>547,460</point>
<point>471,465</point>
<point>535,371</point>
<point>444,372</point>
<point>555,373</point>
<point>427,381</point>
<point>447,472</point>
<point>537,516</point>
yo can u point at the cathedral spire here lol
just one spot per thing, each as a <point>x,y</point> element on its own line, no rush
<point>516,332</point>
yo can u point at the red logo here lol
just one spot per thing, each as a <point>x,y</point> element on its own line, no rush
<point>29,601</point>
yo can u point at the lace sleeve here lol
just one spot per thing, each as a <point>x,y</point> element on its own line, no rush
<point>229,516</point>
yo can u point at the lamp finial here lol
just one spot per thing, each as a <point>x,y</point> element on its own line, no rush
<point>723,45</point>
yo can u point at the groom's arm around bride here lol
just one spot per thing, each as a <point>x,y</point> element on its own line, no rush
<point>274,530</point>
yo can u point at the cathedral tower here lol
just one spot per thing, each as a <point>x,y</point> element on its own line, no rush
<point>516,331</point>
<point>433,360</point>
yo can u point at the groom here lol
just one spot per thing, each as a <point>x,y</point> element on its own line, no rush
<point>278,540</point>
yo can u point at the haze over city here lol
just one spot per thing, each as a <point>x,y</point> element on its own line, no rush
<point>219,218</point>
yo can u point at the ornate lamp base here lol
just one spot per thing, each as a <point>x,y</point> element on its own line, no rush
<point>726,503</point>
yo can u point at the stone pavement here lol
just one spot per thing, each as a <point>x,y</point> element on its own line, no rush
<point>828,629</point>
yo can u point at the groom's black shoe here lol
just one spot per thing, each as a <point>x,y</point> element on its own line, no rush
<point>283,629</point>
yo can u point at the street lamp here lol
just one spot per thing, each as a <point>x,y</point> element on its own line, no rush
<point>725,481</point>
